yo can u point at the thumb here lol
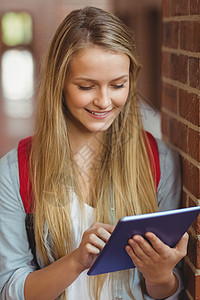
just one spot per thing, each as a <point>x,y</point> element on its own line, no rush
<point>182,244</point>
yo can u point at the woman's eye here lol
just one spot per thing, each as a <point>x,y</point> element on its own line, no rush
<point>85,88</point>
<point>118,86</point>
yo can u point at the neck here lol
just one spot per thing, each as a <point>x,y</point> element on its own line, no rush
<point>85,141</point>
<point>79,139</point>
<point>86,148</point>
<point>85,145</point>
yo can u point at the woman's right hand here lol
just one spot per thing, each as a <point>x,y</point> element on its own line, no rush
<point>41,283</point>
<point>93,241</point>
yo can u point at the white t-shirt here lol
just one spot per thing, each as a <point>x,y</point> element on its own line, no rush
<point>79,289</point>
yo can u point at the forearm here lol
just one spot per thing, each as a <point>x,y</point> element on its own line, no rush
<point>162,289</point>
<point>49,282</point>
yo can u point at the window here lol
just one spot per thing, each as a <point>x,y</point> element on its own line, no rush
<point>17,65</point>
<point>17,82</point>
<point>16,29</point>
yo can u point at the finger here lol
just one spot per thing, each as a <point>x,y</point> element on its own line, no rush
<point>102,233</point>
<point>94,240</point>
<point>138,253</point>
<point>182,245</point>
<point>102,230</point>
<point>136,260</point>
<point>156,243</point>
<point>144,247</point>
<point>107,227</point>
<point>92,249</point>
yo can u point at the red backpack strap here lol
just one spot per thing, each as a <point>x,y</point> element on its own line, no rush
<point>23,158</point>
<point>154,149</point>
<point>25,186</point>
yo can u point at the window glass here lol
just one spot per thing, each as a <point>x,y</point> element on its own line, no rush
<point>18,82</point>
<point>16,28</point>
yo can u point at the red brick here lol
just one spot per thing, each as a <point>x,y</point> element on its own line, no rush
<point>189,35</point>
<point>196,225</point>
<point>190,177</point>
<point>178,67</point>
<point>195,7</point>
<point>194,144</point>
<point>166,64</point>
<point>189,106</point>
<point>179,7</point>
<point>194,72</point>
<point>192,282</point>
<point>197,286</point>
<point>194,251</point>
<point>169,97</point>
<point>171,34</point>
<point>166,8</point>
<point>178,133</point>
<point>189,279</point>
<point>185,199</point>
<point>165,124</point>
<point>191,203</point>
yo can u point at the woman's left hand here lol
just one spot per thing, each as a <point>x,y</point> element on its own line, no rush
<point>156,261</point>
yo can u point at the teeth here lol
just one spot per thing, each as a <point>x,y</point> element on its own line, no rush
<point>98,114</point>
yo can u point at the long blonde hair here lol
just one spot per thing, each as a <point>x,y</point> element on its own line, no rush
<point>125,184</point>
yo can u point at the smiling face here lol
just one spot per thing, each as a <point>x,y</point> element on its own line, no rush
<point>96,89</point>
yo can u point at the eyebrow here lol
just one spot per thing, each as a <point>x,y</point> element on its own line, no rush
<point>124,76</point>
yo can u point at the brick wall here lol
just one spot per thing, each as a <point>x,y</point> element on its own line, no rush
<point>180,112</point>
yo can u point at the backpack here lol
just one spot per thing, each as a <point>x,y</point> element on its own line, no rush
<point>25,186</point>
<point>23,158</point>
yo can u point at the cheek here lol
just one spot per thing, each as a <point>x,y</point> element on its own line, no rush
<point>76,99</point>
<point>122,98</point>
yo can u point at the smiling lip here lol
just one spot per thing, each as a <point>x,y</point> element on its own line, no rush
<point>98,114</point>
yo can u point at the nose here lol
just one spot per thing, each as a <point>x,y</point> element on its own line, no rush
<point>102,99</point>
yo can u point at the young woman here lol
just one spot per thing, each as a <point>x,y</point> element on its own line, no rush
<point>90,163</point>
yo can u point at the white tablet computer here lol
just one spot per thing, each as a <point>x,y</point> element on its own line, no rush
<point>169,226</point>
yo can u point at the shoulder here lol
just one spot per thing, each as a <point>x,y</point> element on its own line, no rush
<point>8,164</point>
<point>9,181</point>
<point>169,188</point>
<point>168,157</point>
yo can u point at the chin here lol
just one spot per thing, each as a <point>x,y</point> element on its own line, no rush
<point>99,128</point>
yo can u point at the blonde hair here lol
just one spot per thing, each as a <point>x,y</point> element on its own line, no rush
<point>125,184</point>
